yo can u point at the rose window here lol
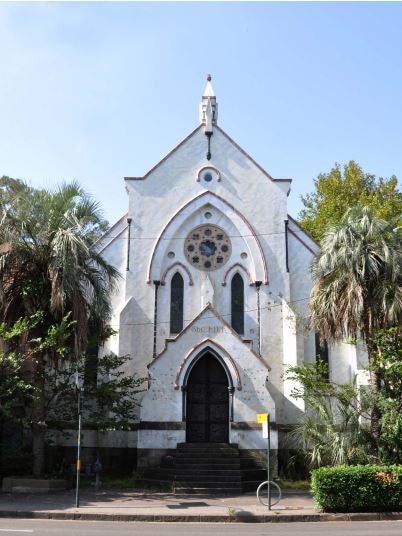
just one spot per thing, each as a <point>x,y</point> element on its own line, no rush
<point>207,247</point>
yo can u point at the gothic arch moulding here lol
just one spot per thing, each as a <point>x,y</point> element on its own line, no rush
<point>197,352</point>
<point>178,266</point>
<point>235,268</point>
<point>211,200</point>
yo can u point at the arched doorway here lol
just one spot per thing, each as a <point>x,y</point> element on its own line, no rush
<point>207,415</point>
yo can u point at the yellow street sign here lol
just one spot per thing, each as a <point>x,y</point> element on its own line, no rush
<point>262,417</point>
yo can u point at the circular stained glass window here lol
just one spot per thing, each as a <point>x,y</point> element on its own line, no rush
<point>207,247</point>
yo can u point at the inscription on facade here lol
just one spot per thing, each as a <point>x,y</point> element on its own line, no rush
<point>209,329</point>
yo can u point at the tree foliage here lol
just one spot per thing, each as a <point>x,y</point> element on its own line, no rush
<point>110,403</point>
<point>388,364</point>
<point>345,187</point>
<point>357,278</point>
<point>49,267</point>
<point>330,432</point>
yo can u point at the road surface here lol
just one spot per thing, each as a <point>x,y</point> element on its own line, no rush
<point>39,527</point>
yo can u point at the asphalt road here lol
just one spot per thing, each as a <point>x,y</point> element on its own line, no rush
<point>36,527</point>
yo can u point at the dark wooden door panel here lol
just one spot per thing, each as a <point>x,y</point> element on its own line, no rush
<point>207,402</point>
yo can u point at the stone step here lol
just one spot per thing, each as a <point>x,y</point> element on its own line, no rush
<point>205,472</point>
<point>206,445</point>
<point>208,478</point>
<point>206,454</point>
<point>200,490</point>
<point>208,485</point>
<point>227,465</point>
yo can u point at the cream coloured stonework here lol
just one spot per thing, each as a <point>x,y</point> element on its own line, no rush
<point>251,208</point>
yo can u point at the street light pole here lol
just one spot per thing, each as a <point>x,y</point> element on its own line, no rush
<point>80,389</point>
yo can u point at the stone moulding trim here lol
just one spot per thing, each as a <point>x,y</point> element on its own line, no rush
<point>164,158</point>
<point>251,425</point>
<point>205,168</point>
<point>231,207</point>
<point>237,265</point>
<point>104,237</point>
<point>209,307</point>
<point>157,425</point>
<point>209,346</point>
<point>304,231</point>
<point>301,241</point>
<point>250,158</point>
<point>171,267</point>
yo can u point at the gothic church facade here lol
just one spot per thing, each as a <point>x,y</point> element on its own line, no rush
<point>213,299</point>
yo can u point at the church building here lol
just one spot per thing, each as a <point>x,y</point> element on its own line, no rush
<point>212,305</point>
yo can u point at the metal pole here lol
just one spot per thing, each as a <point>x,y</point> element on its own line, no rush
<point>129,220</point>
<point>268,466</point>
<point>257,286</point>
<point>78,467</point>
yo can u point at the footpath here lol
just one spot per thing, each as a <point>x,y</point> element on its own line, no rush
<point>167,507</point>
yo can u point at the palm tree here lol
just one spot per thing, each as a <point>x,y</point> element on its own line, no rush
<point>358,285</point>
<point>49,266</point>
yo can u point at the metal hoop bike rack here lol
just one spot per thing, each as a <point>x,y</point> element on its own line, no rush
<point>266,497</point>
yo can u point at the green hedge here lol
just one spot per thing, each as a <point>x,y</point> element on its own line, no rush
<point>359,488</point>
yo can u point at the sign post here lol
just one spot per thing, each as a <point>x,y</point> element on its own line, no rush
<point>263,418</point>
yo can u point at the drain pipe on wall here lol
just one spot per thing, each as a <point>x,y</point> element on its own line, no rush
<point>258,286</point>
<point>129,220</point>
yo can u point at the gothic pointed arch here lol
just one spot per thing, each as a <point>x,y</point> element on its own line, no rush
<point>208,345</point>
<point>237,267</point>
<point>237,303</point>
<point>178,266</point>
<point>176,303</point>
<point>208,200</point>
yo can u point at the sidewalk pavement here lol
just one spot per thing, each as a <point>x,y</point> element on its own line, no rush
<point>163,507</point>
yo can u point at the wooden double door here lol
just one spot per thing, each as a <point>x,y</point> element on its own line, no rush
<point>207,415</point>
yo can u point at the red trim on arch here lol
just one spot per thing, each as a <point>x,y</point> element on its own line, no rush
<point>237,264</point>
<point>171,267</point>
<point>211,344</point>
<point>208,193</point>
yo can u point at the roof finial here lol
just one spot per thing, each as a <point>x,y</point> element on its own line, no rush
<point>208,95</point>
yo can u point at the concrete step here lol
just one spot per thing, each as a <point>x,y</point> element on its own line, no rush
<point>202,490</point>
<point>206,445</point>
<point>205,454</point>
<point>212,465</point>
<point>208,478</point>
<point>206,472</point>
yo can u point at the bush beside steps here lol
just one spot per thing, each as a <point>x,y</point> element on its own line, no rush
<point>359,488</point>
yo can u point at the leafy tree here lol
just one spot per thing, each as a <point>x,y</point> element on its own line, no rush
<point>358,285</point>
<point>388,364</point>
<point>49,266</point>
<point>330,432</point>
<point>346,187</point>
<point>110,402</point>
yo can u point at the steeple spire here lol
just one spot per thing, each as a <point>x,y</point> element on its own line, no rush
<point>208,101</point>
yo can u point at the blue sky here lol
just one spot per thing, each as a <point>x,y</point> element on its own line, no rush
<point>97,91</point>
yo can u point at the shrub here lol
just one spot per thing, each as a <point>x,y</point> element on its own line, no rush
<point>359,488</point>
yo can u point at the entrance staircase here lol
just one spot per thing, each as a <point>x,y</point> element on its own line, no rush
<point>207,468</point>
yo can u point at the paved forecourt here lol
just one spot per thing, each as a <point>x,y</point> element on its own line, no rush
<point>165,507</point>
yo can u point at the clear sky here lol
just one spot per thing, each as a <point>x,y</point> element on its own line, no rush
<point>98,91</point>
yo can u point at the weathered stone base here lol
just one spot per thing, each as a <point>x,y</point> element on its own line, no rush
<point>33,485</point>
<point>147,458</point>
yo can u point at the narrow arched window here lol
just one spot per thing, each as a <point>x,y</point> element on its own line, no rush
<point>176,303</point>
<point>237,289</point>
